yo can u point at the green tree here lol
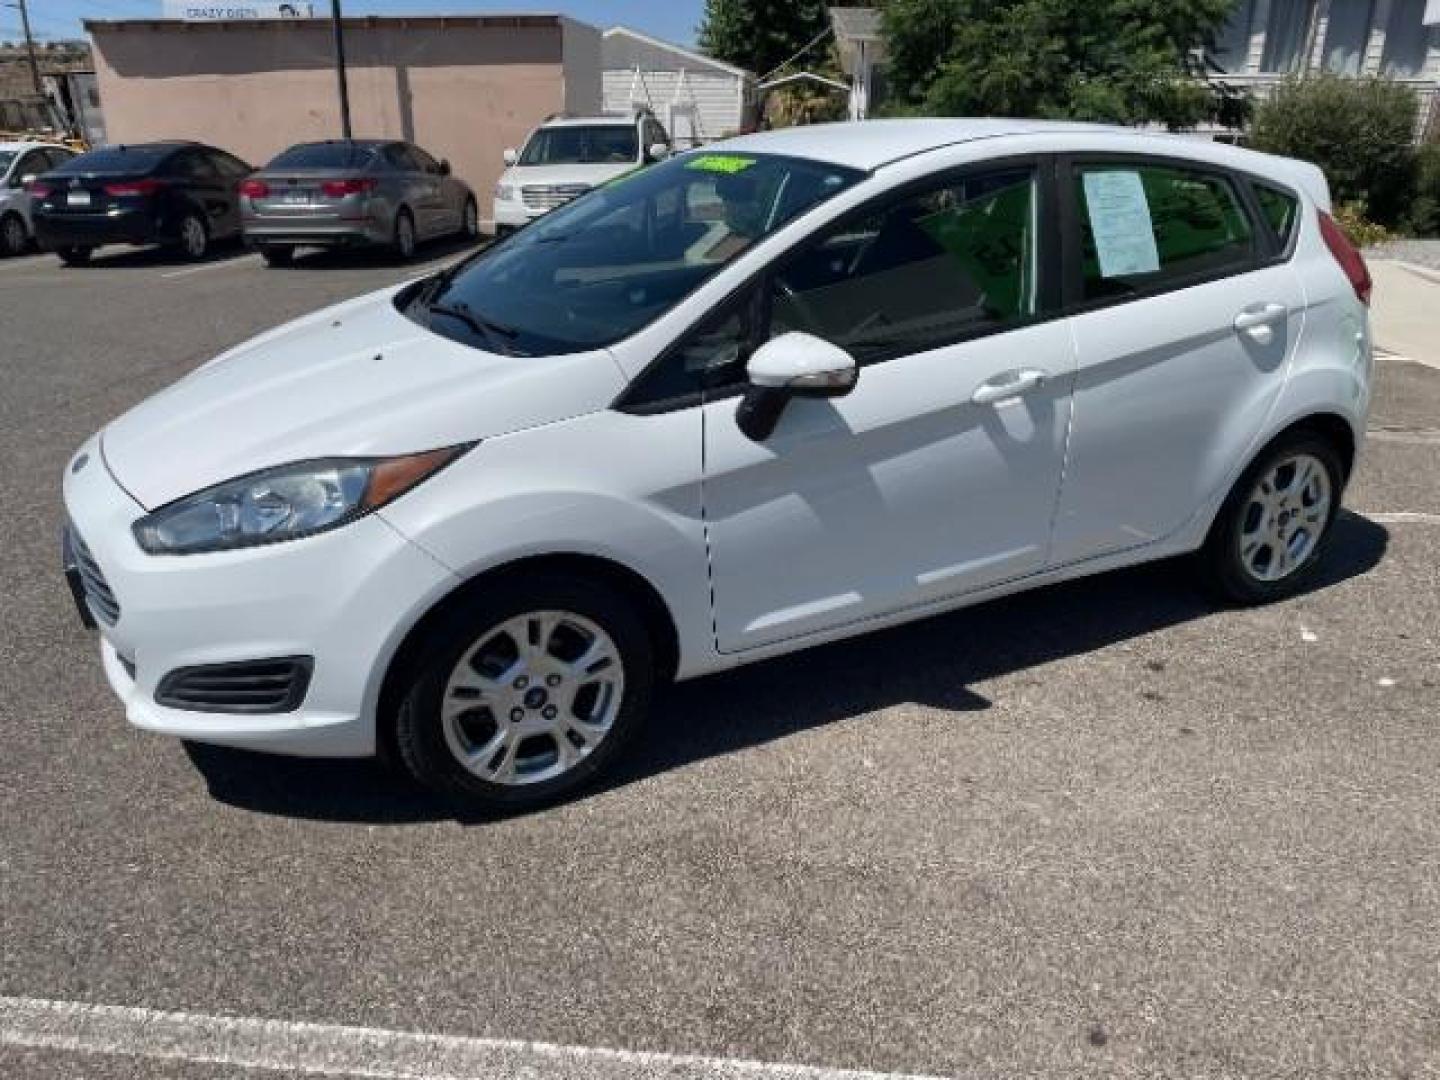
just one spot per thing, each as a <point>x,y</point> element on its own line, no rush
<point>759,35</point>
<point>1122,61</point>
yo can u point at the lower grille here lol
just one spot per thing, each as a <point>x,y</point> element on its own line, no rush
<point>549,196</point>
<point>249,686</point>
<point>97,590</point>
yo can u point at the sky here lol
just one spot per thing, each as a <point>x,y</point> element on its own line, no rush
<point>673,20</point>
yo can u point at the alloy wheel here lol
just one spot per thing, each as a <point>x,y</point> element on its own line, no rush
<point>12,235</point>
<point>533,697</point>
<point>405,236</point>
<point>1284,517</point>
<point>192,237</point>
<point>472,219</point>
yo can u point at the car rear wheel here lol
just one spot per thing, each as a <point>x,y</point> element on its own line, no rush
<point>526,694</point>
<point>74,256</point>
<point>277,254</point>
<point>403,243</point>
<point>1274,527</point>
<point>194,237</point>
<point>470,220</point>
<point>14,238</point>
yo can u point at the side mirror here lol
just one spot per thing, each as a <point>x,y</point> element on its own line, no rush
<point>793,365</point>
<point>444,167</point>
<point>657,152</point>
<point>511,155</point>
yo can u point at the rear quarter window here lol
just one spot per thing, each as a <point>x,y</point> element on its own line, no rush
<point>1281,210</point>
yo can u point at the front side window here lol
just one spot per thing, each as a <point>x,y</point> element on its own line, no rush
<point>577,144</point>
<point>936,267</point>
<point>604,265</point>
<point>1144,227</point>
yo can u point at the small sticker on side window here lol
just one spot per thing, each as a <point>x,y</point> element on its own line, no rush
<point>726,164</point>
<point>1120,223</point>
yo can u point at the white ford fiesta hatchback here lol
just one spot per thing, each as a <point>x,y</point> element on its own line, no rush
<point>788,389</point>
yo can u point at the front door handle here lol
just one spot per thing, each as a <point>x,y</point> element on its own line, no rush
<point>1007,385</point>
<point>1259,321</point>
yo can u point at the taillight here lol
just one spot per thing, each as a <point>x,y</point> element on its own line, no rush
<point>1349,258</point>
<point>39,190</point>
<point>356,186</point>
<point>147,186</point>
<point>254,189</point>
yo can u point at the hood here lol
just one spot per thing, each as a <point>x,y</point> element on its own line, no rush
<point>355,380</point>
<point>520,175</point>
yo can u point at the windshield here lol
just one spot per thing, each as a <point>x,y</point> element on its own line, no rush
<point>336,155</point>
<point>121,160</point>
<point>601,267</point>
<point>603,144</point>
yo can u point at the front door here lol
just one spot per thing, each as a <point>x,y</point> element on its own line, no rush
<point>938,473</point>
<point>1185,317</point>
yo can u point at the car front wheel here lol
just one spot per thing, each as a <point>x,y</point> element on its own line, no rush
<point>13,237</point>
<point>403,242</point>
<point>526,694</point>
<point>1274,527</point>
<point>194,237</point>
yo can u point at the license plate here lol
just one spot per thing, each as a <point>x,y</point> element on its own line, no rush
<point>296,196</point>
<point>77,198</point>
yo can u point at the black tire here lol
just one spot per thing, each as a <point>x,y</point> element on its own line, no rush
<point>14,238</point>
<point>420,736</point>
<point>194,234</point>
<point>1224,569</point>
<point>470,220</point>
<point>402,249</point>
<point>277,254</point>
<point>74,256</point>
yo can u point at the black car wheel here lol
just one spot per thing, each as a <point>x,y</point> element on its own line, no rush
<point>194,237</point>
<point>277,254</point>
<point>14,238</point>
<point>403,243</point>
<point>527,692</point>
<point>74,256</point>
<point>470,220</point>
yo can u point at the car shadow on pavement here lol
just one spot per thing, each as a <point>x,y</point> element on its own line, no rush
<point>320,258</point>
<point>115,257</point>
<point>932,662</point>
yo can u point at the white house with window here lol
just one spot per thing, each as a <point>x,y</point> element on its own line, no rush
<point>696,97</point>
<point>1267,40</point>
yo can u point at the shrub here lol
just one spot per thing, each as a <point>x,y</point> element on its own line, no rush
<point>1363,233</point>
<point>1424,216</point>
<point>1359,131</point>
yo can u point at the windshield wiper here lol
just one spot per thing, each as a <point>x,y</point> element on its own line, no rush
<point>493,332</point>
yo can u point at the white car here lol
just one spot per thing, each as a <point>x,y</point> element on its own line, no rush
<point>786,390</point>
<point>21,163</point>
<point>567,156</point>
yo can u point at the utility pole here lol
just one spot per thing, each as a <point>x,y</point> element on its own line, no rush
<point>339,66</point>
<point>29,44</point>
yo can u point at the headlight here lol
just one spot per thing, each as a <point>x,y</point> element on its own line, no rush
<point>284,503</point>
<point>504,192</point>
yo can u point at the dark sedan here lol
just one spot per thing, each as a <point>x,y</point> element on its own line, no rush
<point>348,192</point>
<point>183,195</point>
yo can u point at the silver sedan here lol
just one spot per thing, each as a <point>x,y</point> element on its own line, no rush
<point>354,192</point>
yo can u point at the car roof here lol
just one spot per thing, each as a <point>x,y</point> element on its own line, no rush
<point>591,121</point>
<point>873,144</point>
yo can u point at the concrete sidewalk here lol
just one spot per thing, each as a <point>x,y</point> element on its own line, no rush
<point>1405,310</point>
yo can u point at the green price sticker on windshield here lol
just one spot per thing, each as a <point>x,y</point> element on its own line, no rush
<point>720,163</point>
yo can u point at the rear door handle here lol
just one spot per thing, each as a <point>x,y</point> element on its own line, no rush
<point>1007,385</point>
<point>1259,320</point>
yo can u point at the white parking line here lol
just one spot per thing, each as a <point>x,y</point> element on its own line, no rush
<point>376,1054</point>
<point>1418,437</point>
<point>1401,517</point>
<point>240,260</point>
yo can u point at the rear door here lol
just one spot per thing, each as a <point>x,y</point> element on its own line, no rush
<point>203,186</point>
<point>1185,313</point>
<point>442,194</point>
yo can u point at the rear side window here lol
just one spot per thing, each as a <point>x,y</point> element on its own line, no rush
<point>337,155</point>
<point>1281,210</point>
<point>920,273</point>
<point>1147,227</point>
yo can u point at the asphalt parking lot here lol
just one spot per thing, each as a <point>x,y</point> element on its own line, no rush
<point>1099,830</point>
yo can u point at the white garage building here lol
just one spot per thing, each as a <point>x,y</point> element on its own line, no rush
<point>697,98</point>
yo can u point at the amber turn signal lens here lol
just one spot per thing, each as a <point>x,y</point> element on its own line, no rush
<point>391,479</point>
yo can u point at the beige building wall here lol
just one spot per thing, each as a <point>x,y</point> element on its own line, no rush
<point>464,88</point>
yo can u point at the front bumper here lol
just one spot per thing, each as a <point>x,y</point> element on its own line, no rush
<point>345,598</point>
<point>512,214</point>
